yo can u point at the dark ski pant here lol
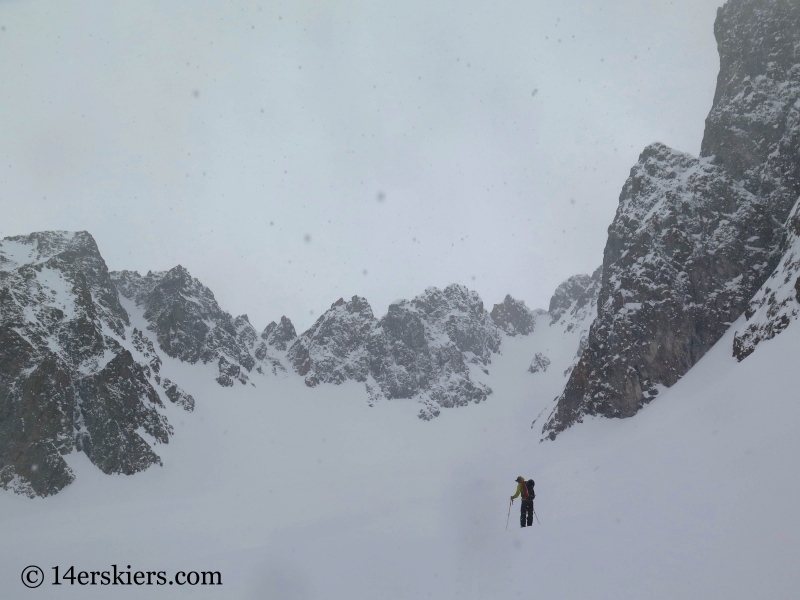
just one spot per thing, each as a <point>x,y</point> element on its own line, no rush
<point>526,513</point>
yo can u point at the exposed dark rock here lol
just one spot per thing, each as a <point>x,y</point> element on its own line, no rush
<point>229,373</point>
<point>334,348</point>
<point>245,332</point>
<point>539,363</point>
<point>693,239</point>
<point>425,346</point>
<point>575,298</point>
<point>177,396</point>
<point>513,317</point>
<point>279,335</point>
<point>249,339</point>
<point>66,381</point>
<point>136,287</point>
<point>145,346</point>
<point>114,403</point>
<point>777,303</point>
<point>753,129</point>
<point>188,323</point>
<point>37,412</point>
<point>422,348</point>
<point>687,249</point>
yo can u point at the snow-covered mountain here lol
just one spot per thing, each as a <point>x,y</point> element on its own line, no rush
<point>74,375</point>
<point>428,348</point>
<point>298,467</point>
<point>189,324</point>
<point>695,238</point>
<point>85,353</point>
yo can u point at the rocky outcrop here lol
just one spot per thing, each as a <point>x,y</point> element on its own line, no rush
<point>686,251</point>
<point>575,299</point>
<point>423,348</point>
<point>189,324</point>
<point>279,335</point>
<point>427,346</point>
<point>539,363</point>
<point>334,348</point>
<point>66,380</point>
<point>114,403</point>
<point>753,129</point>
<point>777,304</point>
<point>694,239</point>
<point>513,317</point>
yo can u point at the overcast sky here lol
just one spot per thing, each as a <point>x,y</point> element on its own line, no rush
<point>290,153</point>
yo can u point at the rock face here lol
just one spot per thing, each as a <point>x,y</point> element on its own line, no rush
<point>115,402</point>
<point>279,335</point>
<point>422,348</point>
<point>573,308</point>
<point>575,299</point>
<point>694,239</point>
<point>68,378</point>
<point>513,317</point>
<point>539,363</point>
<point>189,324</point>
<point>426,347</point>
<point>753,129</point>
<point>334,348</point>
<point>777,303</point>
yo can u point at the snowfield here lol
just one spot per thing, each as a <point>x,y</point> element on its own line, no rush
<point>299,493</point>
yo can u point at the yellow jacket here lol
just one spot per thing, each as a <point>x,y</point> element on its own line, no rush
<point>519,491</point>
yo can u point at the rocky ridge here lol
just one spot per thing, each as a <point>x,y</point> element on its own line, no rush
<point>69,374</point>
<point>423,348</point>
<point>72,363</point>
<point>513,317</point>
<point>694,239</point>
<point>189,325</point>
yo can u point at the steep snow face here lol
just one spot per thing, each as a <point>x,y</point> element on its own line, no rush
<point>513,317</point>
<point>753,129</point>
<point>68,377</point>
<point>686,251</point>
<point>190,326</point>
<point>423,348</point>
<point>777,303</point>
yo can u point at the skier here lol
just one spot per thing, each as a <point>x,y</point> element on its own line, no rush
<point>526,508</point>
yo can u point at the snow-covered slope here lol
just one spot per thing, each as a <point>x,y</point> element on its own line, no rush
<point>297,492</point>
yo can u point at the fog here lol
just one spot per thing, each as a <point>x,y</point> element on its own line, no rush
<point>291,153</point>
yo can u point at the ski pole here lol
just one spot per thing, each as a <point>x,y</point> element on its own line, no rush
<point>535,515</point>
<point>509,513</point>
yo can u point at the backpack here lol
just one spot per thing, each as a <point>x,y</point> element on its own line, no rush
<point>529,485</point>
